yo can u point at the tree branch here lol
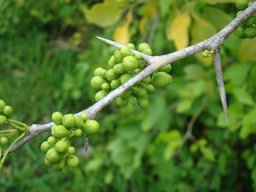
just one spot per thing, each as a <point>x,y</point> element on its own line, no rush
<point>155,63</point>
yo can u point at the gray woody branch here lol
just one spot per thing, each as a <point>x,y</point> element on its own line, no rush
<point>154,63</point>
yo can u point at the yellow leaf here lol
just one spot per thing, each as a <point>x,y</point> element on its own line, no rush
<point>247,50</point>
<point>121,34</point>
<point>104,14</point>
<point>201,30</point>
<point>177,30</point>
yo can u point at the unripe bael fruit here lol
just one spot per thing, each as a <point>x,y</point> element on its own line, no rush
<point>125,77</point>
<point>143,103</point>
<point>62,146</point>
<point>161,79</point>
<point>59,131</point>
<point>138,56</point>
<point>143,46</point>
<point>52,140</point>
<point>105,86</point>
<point>150,88</point>
<point>71,150</point>
<point>166,68</point>
<point>52,155</point>
<point>125,51</point>
<point>110,75</point>
<point>130,63</point>
<point>57,118</point>
<point>72,161</point>
<point>140,92</point>
<point>2,105</point>
<point>100,94</point>
<point>45,146</point>
<point>3,119</point>
<point>69,121</point>
<point>131,46</point>
<point>114,84</point>
<point>91,127</point>
<point>118,57</point>
<point>118,69</point>
<point>250,32</point>
<point>79,122</point>
<point>84,117</point>
<point>241,4</point>
<point>3,140</point>
<point>7,111</point>
<point>112,61</point>
<point>97,81</point>
<point>78,132</point>
<point>99,72</point>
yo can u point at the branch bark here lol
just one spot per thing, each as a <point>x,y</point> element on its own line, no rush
<point>154,63</point>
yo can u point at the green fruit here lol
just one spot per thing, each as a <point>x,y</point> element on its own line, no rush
<point>125,77</point>
<point>59,131</point>
<point>140,92</point>
<point>127,109</point>
<point>114,84</point>
<point>241,4</point>
<point>78,132</point>
<point>250,21</point>
<point>126,94</point>
<point>100,94</point>
<point>99,72</point>
<point>3,120</point>
<point>250,32</point>
<point>161,79</point>
<point>120,101</point>
<point>52,155</point>
<point>91,127</point>
<point>143,103</point>
<point>2,105</point>
<point>166,68</point>
<point>131,46</point>
<point>3,140</point>
<point>125,51</point>
<point>62,146</point>
<point>143,46</point>
<point>71,150</point>
<point>111,61</point>
<point>205,53</point>
<point>138,56</point>
<point>142,63</point>
<point>148,51</point>
<point>110,75</point>
<point>72,161</point>
<point>240,32</point>
<point>130,63</point>
<point>7,111</point>
<point>79,122</point>
<point>45,146</point>
<point>62,164</point>
<point>118,56</point>
<point>52,140</point>
<point>150,88</point>
<point>55,167</point>
<point>57,118</point>
<point>84,117</point>
<point>97,81</point>
<point>147,80</point>
<point>105,86</point>
<point>118,69</point>
<point>69,121</point>
<point>47,162</point>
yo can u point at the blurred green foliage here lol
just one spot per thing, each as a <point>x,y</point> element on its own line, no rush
<point>48,52</point>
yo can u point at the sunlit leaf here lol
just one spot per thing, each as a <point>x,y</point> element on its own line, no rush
<point>177,30</point>
<point>247,50</point>
<point>104,14</point>
<point>219,1</point>
<point>243,96</point>
<point>121,34</point>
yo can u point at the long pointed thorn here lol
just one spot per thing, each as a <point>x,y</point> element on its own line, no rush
<point>220,82</point>
<point>117,45</point>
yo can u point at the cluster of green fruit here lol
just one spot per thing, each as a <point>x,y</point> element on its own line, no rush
<point>207,53</point>
<point>59,153</point>
<point>248,29</point>
<point>122,66</point>
<point>5,114</point>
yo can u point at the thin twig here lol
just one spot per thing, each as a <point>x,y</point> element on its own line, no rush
<point>155,62</point>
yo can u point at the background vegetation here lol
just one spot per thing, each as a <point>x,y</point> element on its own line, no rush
<point>48,52</point>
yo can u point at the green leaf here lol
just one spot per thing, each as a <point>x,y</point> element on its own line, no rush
<point>183,106</point>
<point>249,122</point>
<point>247,50</point>
<point>216,16</point>
<point>104,14</point>
<point>208,153</point>
<point>219,1</point>
<point>194,72</point>
<point>243,96</point>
